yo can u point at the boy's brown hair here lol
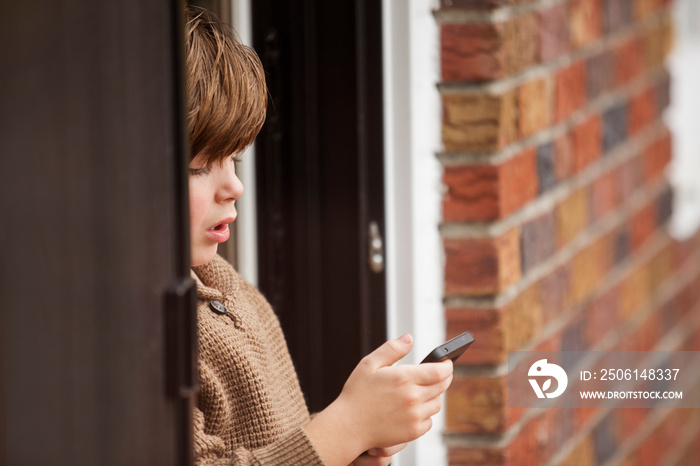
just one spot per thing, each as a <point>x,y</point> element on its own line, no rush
<point>226,91</point>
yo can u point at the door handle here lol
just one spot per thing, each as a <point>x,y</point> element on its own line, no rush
<point>376,249</point>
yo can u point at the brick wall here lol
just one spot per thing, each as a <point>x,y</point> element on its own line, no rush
<point>555,212</point>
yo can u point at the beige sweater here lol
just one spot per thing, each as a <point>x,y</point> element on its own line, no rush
<point>250,409</point>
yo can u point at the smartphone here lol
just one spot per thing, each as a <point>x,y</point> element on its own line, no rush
<point>453,349</point>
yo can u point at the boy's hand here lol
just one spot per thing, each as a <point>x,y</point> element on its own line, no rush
<point>384,405</point>
<point>381,406</point>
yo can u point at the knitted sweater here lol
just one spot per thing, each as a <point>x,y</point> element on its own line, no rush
<point>250,409</point>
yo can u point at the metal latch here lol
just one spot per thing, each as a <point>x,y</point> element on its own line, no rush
<point>376,249</point>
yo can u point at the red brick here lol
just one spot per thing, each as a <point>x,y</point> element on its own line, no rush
<point>642,111</point>
<point>642,225</point>
<point>587,139</point>
<point>472,193</point>
<point>586,21</point>
<point>554,32</point>
<point>489,192</point>
<point>570,90</point>
<point>629,59</point>
<point>631,420</point>
<point>605,195</point>
<point>488,51</point>
<point>478,122</point>
<point>657,157</point>
<point>572,216</point>
<point>526,448</point>
<point>486,325</point>
<point>519,182</point>
<point>471,52</point>
<point>481,266</point>
<point>534,106</point>
<point>601,316</point>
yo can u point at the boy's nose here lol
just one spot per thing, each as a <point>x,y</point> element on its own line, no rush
<point>231,188</point>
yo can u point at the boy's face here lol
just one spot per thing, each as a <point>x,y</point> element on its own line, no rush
<point>213,190</point>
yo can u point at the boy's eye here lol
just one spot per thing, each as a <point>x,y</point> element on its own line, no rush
<point>199,171</point>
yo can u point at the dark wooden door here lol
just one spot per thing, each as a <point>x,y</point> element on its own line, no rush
<point>93,235</point>
<point>320,183</point>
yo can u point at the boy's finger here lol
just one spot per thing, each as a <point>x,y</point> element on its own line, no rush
<point>433,391</point>
<point>391,351</point>
<point>432,373</point>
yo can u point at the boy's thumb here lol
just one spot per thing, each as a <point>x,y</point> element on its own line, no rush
<point>391,351</point>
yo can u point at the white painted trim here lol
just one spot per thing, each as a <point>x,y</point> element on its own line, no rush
<point>682,118</point>
<point>246,229</point>
<point>413,193</point>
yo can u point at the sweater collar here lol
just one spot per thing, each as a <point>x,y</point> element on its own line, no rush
<point>217,280</point>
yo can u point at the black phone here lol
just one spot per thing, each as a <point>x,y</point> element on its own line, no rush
<point>453,349</point>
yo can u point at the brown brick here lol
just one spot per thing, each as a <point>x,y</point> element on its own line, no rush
<point>587,139</point>
<point>629,60</point>
<point>617,14</point>
<point>605,195</point>
<point>471,52</point>
<point>570,90</point>
<point>600,79</point>
<point>630,177</point>
<point>644,8</point>
<point>482,265</point>
<point>583,454</point>
<point>634,291</point>
<point>521,41</point>
<point>538,240</point>
<point>564,156</point>
<point>522,318</point>
<point>534,106</point>
<point>572,216</point>
<point>476,456</point>
<point>554,292</point>
<point>642,111</point>
<point>586,21</point>
<point>476,405</point>
<point>554,32</point>
<point>656,44</point>
<point>478,122</point>
<point>588,268</point>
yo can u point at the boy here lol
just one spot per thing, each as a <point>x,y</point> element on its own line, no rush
<point>250,409</point>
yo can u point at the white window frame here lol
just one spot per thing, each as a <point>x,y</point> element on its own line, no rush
<point>682,117</point>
